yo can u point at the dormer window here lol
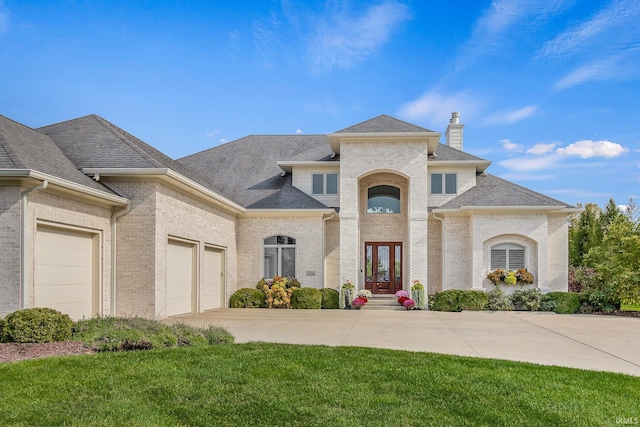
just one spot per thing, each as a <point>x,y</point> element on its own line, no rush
<point>324,183</point>
<point>383,199</point>
<point>444,183</point>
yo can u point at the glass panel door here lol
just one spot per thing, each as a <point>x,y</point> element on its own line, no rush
<point>383,267</point>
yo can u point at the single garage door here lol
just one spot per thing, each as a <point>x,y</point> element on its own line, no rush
<point>180,277</point>
<point>65,271</point>
<point>212,295</point>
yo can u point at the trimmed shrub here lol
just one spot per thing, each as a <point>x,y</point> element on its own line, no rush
<point>330,298</point>
<point>531,300</point>
<point>565,302</point>
<point>37,325</point>
<point>446,301</point>
<point>137,333</point>
<point>498,301</point>
<point>247,298</point>
<point>306,298</point>
<point>473,300</point>
<point>2,322</point>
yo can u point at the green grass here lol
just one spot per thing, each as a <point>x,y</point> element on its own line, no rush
<point>272,384</point>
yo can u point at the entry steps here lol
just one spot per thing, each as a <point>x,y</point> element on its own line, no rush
<point>385,302</point>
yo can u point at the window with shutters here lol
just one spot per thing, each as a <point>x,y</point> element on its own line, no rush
<point>507,256</point>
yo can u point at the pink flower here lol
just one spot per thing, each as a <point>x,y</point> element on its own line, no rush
<point>409,304</point>
<point>358,303</point>
<point>402,293</point>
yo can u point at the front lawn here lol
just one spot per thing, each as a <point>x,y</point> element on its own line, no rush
<point>273,384</point>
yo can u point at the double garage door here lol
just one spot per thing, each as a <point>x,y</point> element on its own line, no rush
<point>65,271</point>
<point>182,294</point>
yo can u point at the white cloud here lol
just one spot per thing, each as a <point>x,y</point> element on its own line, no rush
<point>526,164</point>
<point>587,148</point>
<point>597,70</point>
<point>509,117</point>
<point>542,148</point>
<point>298,131</point>
<point>436,108</point>
<point>620,16</point>
<point>517,177</point>
<point>341,40</point>
<point>222,140</point>
<point>509,145</point>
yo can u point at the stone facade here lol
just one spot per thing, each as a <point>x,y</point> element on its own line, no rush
<point>10,265</point>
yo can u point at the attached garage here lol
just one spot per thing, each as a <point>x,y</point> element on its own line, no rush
<point>212,293</point>
<point>180,277</point>
<point>65,271</point>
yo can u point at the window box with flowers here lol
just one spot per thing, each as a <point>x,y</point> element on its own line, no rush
<point>503,277</point>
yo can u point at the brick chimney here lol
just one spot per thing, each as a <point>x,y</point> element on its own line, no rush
<point>454,132</point>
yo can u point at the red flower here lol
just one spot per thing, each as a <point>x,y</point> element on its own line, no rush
<point>401,300</point>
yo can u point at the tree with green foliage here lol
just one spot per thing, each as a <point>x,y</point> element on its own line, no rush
<point>585,232</point>
<point>617,259</point>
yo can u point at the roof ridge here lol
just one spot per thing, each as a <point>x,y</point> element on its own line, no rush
<point>125,137</point>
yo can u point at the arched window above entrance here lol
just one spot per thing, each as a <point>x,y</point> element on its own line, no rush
<point>383,199</point>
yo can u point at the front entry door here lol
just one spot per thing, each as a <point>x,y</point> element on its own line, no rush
<point>383,267</point>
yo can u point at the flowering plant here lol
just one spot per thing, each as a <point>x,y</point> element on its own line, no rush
<point>402,299</point>
<point>402,293</point>
<point>417,285</point>
<point>520,277</point>
<point>365,294</point>
<point>358,303</point>
<point>348,285</point>
<point>409,304</point>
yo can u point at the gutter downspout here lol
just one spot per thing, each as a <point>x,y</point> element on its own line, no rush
<point>324,249</point>
<point>443,252</point>
<point>114,235</point>
<point>23,229</point>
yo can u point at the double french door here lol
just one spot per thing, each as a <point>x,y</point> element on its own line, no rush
<point>383,267</point>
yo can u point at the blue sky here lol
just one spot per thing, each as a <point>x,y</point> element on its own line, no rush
<point>548,90</point>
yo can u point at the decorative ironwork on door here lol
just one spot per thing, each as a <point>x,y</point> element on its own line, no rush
<point>383,267</point>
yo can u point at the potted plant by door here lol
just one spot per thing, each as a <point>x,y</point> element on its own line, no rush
<point>417,294</point>
<point>347,294</point>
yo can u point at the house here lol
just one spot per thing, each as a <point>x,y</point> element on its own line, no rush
<point>95,221</point>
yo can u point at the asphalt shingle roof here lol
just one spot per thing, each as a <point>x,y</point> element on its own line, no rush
<point>491,191</point>
<point>445,153</point>
<point>246,170</point>
<point>383,123</point>
<point>26,148</point>
<point>93,142</point>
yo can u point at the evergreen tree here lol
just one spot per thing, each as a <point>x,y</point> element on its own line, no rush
<point>585,232</point>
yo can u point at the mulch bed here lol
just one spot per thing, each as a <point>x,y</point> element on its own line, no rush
<point>11,352</point>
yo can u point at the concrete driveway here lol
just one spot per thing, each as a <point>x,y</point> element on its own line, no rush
<point>601,343</point>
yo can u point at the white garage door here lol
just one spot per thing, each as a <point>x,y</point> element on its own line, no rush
<point>64,276</point>
<point>180,277</point>
<point>212,295</point>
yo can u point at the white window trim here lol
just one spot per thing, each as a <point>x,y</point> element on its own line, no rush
<point>279,260</point>
<point>444,183</point>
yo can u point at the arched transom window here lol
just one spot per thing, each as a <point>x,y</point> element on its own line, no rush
<point>507,256</point>
<point>279,256</point>
<point>383,199</point>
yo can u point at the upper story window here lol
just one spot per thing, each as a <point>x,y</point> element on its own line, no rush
<point>507,256</point>
<point>383,199</point>
<point>444,183</point>
<point>324,183</point>
<point>279,256</point>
